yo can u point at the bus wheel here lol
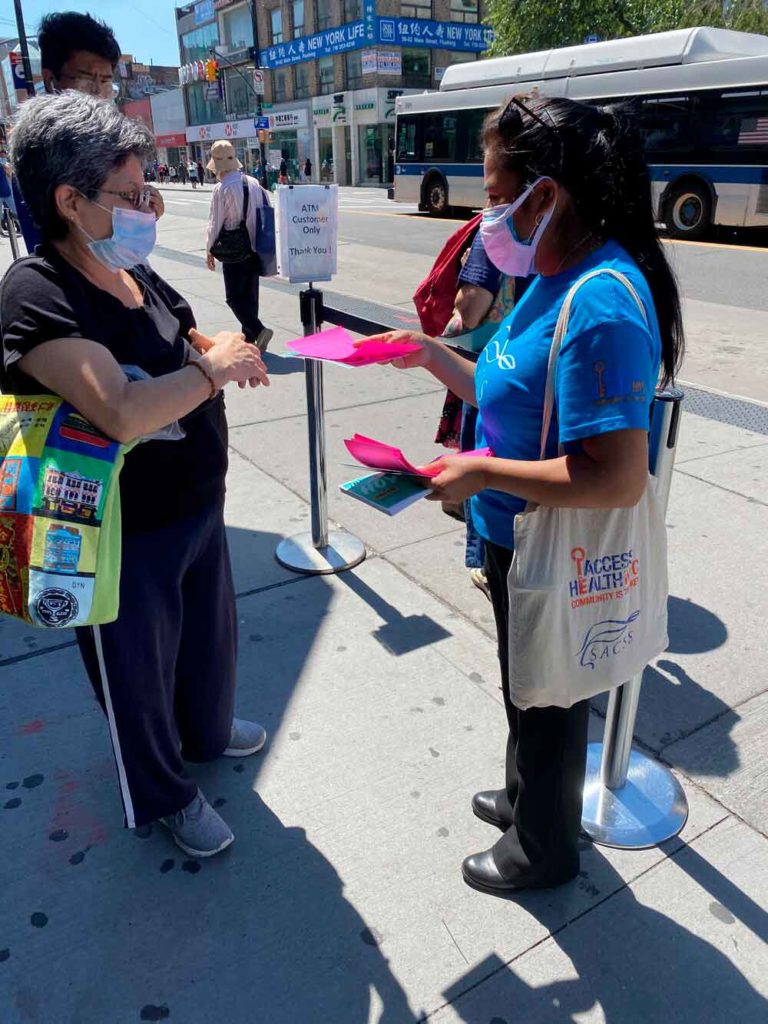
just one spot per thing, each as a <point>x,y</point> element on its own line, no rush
<point>688,211</point>
<point>436,195</point>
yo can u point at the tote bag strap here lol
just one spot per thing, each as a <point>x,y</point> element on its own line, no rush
<point>559,335</point>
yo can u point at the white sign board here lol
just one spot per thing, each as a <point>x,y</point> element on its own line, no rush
<point>308,227</point>
<point>258,81</point>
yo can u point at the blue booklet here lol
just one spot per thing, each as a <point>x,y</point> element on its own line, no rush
<point>387,492</point>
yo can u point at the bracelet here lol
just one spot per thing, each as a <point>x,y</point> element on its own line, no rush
<point>198,366</point>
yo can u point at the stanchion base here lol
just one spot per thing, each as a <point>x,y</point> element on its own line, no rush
<point>343,551</point>
<point>649,808</point>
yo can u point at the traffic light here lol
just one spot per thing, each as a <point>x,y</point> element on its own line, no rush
<point>211,70</point>
<point>263,136</point>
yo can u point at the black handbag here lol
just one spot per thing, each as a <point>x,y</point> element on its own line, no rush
<point>234,244</point>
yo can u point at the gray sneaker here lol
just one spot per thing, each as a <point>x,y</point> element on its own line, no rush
<point>264,338</point>
<point>246,738</point>
<point>198,829</point>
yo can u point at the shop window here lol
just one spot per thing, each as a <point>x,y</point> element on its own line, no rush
<point>417,9</point>
<point>353,10</point>
<point>237,29</point>
<point>465,10</point>
<point>302,87</point>
<point>416,69</point>
<point>238,96</point>
<point>195,45</point>
<point>201,109</point>
<point>323,15</point>
<point>277,25</point>
<point>298,18</point>
<point>354,68</point>
<point>281,86</point>
<point>327,75</point>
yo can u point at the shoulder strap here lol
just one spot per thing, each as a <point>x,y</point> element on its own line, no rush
<point>557,341</point>
<point>244,218</point>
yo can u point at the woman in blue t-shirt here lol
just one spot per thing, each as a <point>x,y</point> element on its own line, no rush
<point>568,192</point>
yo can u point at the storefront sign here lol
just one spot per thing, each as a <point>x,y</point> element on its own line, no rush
<point>339,115</point>
<point>288,119</point>
<point>171,139</point>
<point>393,31</point>
<point>204,11</point>
<point>383,62</point>
<point>307,232</point>
<point>17,71</point>
<point>321,44</point>
<point>222,130</point>
<point>437,34</point>
<point>369,17</point>
<point>369,62</point>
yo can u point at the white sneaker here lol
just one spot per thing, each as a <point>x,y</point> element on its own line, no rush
<point>246,738</point>
<point>198,829</point>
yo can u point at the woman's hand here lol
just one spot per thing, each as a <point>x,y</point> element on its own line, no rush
<point>156,201</point>
<point>202,342</point>
<point>210,261</point>
<point>413,359</point>
<point>229,357</point>
<point>459,478</point>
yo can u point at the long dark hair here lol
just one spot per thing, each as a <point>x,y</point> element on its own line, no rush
<point>596,153</point>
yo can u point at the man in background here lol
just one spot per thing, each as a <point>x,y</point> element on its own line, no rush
<point>76,52</point>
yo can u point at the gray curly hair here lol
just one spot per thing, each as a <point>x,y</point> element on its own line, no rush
<point>70,139</point>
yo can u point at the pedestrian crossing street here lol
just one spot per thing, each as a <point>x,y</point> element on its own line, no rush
<point>351,200</point>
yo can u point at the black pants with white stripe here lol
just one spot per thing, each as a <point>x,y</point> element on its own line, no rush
<point>164,671</point>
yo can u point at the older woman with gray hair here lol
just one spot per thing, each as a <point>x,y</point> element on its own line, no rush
<point>73,317</point>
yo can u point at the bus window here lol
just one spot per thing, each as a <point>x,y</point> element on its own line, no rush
<point>440,132</point>
<point>738,121</point>
<point>406,139</point>
<point>472,126</point>
<point>666,123</point>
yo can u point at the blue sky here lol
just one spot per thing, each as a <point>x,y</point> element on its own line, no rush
<point>145,28</point>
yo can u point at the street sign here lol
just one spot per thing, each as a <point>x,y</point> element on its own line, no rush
<point>258,81</point>
<point>261,122</point>
<point>308,220</point>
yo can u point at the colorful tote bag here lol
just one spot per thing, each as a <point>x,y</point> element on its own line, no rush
<point>59,515</point>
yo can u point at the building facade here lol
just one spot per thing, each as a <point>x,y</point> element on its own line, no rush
<point>331,71</point>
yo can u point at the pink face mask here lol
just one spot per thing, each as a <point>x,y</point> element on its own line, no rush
<point>510,254</point>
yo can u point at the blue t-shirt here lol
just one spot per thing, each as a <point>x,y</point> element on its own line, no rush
<point>605,379</point>
<point>29,229</point>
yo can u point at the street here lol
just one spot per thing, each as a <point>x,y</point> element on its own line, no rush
<point>385,249</point>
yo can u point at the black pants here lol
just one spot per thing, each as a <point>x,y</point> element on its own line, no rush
<point>241,287</point>
<point>545,766</point>
<point>164,671</point>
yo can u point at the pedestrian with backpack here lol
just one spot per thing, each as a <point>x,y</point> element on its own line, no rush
<point>233,230</point>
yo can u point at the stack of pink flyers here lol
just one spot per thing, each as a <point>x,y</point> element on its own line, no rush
<point>388,459</point>
<point>337,346</point>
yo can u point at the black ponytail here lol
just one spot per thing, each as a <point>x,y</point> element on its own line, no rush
<point>596,153</point>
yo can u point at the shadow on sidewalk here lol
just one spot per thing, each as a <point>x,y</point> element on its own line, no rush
<point>632,964</point>
<point>128,926</point>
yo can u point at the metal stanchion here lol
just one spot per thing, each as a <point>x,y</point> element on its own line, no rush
<point>321,550</point>
<point>632,801</point>
<point>11,230</point>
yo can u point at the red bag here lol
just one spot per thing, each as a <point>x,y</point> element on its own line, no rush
<point>435,297</point>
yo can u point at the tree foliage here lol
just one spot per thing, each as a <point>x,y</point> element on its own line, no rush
<point>523,26</point>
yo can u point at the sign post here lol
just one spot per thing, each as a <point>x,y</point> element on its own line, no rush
<point>307,235</point>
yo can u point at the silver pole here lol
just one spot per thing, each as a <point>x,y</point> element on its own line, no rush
<point>313,379</point>
<point>11,230</point>
<point>630,800</point>
<point>320,551</point>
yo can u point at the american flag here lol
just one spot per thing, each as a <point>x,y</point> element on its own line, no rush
<point>754,132</point>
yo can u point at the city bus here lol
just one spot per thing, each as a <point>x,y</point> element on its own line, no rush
<point>701,96</point>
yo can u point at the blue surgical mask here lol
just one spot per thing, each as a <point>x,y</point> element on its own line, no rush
<point>133,238</point>
<point>510,254</point>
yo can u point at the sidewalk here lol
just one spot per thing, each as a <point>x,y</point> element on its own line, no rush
<point>341,901</point>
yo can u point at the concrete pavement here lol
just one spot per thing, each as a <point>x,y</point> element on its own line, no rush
<point>341,900</point>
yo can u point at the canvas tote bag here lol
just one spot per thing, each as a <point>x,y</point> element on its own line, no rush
<point>587,587</point>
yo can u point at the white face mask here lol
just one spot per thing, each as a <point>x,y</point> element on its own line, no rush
<point>504,249</point>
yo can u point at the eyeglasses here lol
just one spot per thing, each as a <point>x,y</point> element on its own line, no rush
<point>511,120</point>
<point>96,85</point>
<point>138,198</point>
